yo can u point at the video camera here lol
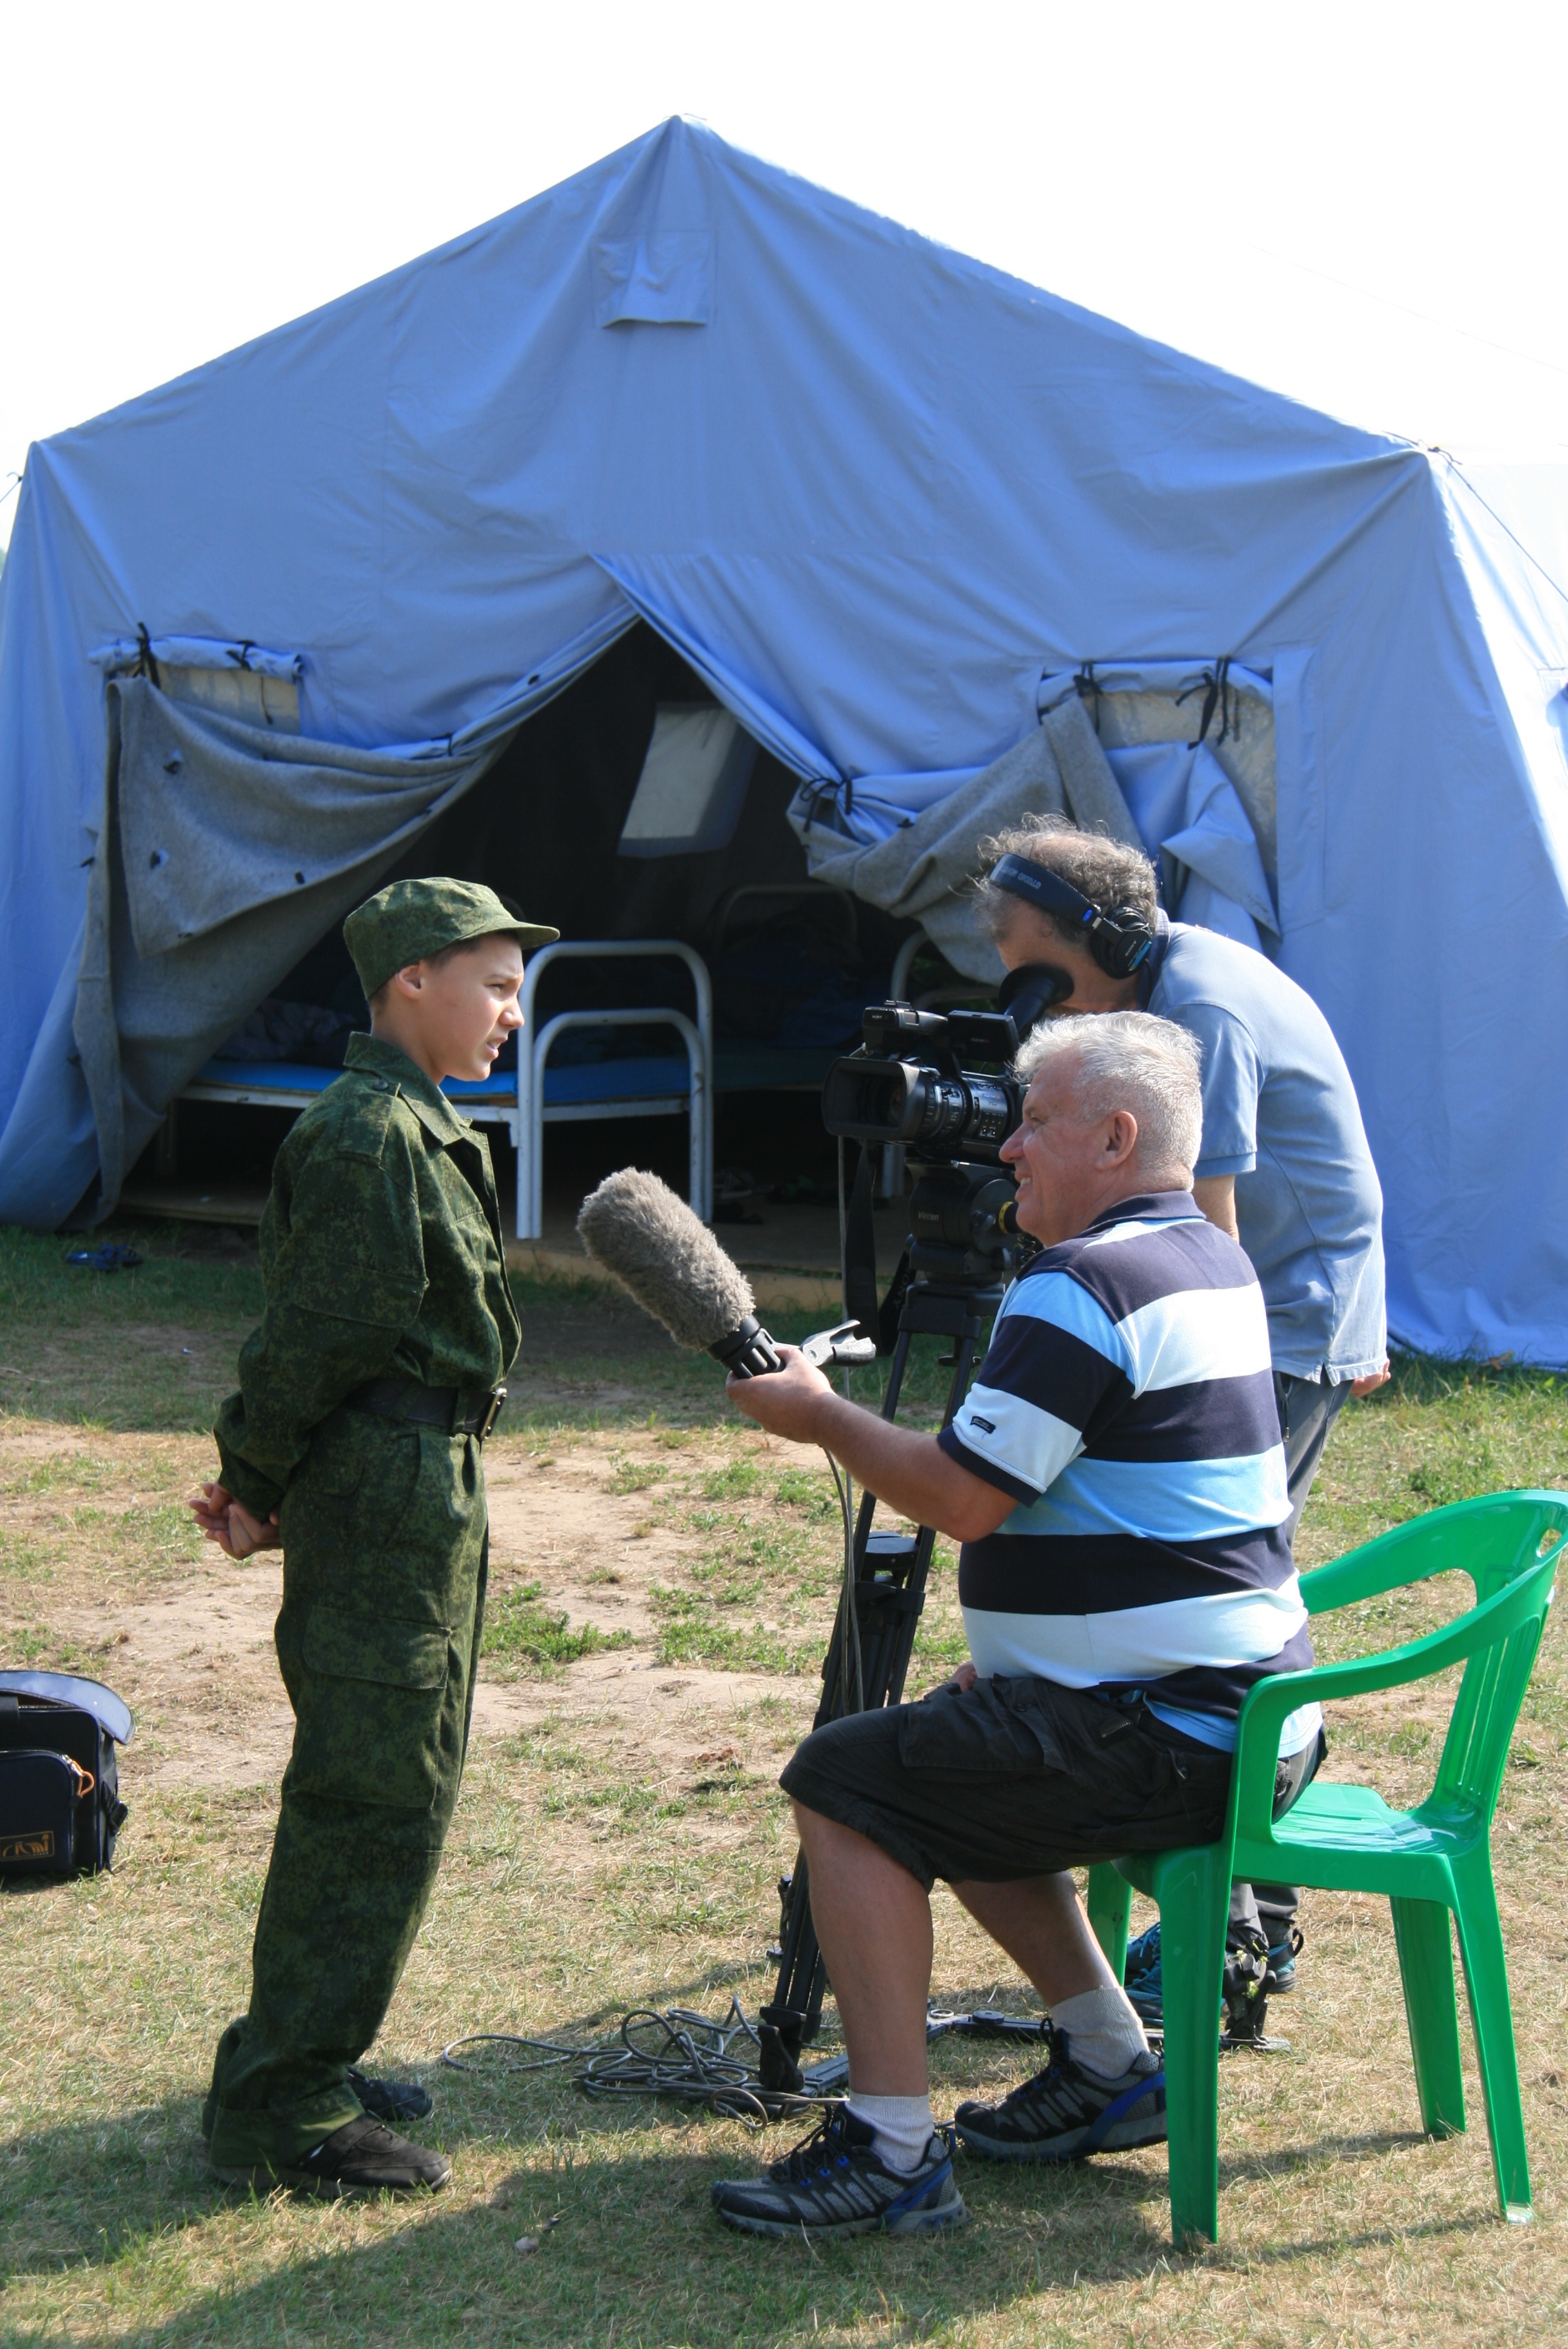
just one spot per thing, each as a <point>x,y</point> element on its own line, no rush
<point>906,1084</point>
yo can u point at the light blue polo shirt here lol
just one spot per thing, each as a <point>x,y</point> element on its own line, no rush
<point>1280,1113</point>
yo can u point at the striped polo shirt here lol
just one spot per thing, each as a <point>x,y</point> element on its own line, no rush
<point>1127,1403</point>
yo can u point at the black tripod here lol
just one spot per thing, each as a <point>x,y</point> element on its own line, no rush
<point>954,1285</point>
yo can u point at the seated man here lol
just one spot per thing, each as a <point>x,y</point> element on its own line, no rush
<point>1118,1483</point>
<point>1283,1167</point>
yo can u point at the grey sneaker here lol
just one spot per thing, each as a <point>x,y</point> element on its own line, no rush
<point>833,2184</point>
<point>1065,2112</point>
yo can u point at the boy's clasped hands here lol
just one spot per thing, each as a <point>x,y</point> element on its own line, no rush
<point>231,1525</point>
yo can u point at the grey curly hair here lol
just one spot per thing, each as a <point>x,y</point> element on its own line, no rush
<point>1099,868</point>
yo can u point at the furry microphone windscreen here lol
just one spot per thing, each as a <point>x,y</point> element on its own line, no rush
<point>650,1241</point>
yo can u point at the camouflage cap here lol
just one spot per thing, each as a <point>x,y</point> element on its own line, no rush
<point>410,919</point>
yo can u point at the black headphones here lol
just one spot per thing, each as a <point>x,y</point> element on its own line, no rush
<point>1118,936</point>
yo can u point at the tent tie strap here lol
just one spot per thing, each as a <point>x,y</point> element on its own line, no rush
<point>1220,694</point>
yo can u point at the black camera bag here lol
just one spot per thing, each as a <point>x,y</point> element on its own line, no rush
<point>60,1810</point>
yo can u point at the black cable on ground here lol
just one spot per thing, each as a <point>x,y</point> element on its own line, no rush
<point>677,2054</point>
<point>694,2059</point>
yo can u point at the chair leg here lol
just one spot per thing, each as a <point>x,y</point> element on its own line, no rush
<point>1491,2012</point>
<point>1193,1888</point>
<point>1109,1910</point>
<point>165,1158</point>
<point>1424,1940</point>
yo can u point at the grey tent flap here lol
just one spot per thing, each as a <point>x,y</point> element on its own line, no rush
<point>217,818</point>
<point>921,871</point>
<point>223,854</point>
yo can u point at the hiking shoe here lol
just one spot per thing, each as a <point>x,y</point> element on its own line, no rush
<point>391,2100</point>
<point>1281,1974</point>
<point>361,2157</point>
<point>1144,1951</point>
<point>1144,1985</point>
<point>1065,2112</point>
<point>833,2184</point>
<point>1146,1989</point>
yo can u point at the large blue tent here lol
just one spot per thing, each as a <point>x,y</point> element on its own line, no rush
<point>878,496</point>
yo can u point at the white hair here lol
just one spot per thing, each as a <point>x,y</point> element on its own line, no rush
<point>1131,1061</point>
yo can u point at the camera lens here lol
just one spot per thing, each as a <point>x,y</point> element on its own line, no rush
<point>973,1110</point>
<point>944,1106</point>
<point>992,1110</point>
<point>876,1102</point>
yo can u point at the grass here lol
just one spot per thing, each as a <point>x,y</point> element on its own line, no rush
<point>759,1593</point>
<point>519,1630</point>
<point>618,1843</point>
<point>140,1350</point>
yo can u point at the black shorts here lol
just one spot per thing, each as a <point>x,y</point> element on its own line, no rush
<point>1015,1778</point>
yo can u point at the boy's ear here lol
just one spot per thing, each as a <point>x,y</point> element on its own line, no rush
<point>410,979</point>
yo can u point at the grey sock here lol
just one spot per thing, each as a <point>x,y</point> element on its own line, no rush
<point>902,2126</point>
<point>1103,2030</point>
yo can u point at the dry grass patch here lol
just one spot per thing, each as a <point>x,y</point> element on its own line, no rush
<point>618,1842</point>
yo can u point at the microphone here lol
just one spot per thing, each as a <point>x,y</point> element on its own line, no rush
<point>669,1263</point>
<point>651,1243</point>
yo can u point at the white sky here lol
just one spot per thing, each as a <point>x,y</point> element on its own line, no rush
<point>1359,205</point>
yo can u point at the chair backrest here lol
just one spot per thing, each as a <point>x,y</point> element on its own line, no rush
<point>816,892</point>
<point>1492,1539</point>
<point>1475,1751</point>
<point>1497,1541</point>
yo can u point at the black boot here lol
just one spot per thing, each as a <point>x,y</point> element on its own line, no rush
<point>361,2157</point>
<point>396,2101</point>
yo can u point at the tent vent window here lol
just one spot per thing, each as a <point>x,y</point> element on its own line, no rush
<point>238,679</point>
<point>689,793</point>
<point>247,693</point>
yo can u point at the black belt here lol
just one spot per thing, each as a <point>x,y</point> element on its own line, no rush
<point>457,1411</point>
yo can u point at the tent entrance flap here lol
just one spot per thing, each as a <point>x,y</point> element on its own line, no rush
<point>1116,754</point>
<point>223,854</point>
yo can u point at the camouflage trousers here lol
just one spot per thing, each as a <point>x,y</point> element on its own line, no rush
<point>385,1550</point>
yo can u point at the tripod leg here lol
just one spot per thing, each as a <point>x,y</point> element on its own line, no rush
<point>789,2020</point>
<point>784,2025</point>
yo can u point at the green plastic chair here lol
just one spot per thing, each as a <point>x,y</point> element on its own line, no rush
<point>1429,1861</point>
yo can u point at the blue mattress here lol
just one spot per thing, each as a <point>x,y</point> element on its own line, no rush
<point>736,1069</point>
<point>587,1081</point>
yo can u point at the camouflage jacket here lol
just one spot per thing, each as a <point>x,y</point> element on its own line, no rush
<point>381,1257</point>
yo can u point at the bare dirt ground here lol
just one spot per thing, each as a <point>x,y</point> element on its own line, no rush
<point>190,1647</point>
<point>186,1637</point>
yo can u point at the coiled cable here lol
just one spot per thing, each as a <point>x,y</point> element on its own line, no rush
<point>677,2053</point>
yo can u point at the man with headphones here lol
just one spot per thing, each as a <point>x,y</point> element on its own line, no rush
<point>1285,1168</point>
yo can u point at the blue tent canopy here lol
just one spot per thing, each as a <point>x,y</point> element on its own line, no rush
<point>877,495</point>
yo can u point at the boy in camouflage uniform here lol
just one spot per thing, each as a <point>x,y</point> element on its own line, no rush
<point>354,1442</point>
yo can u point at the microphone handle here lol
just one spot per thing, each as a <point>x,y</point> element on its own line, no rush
<point>748,1352</point>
